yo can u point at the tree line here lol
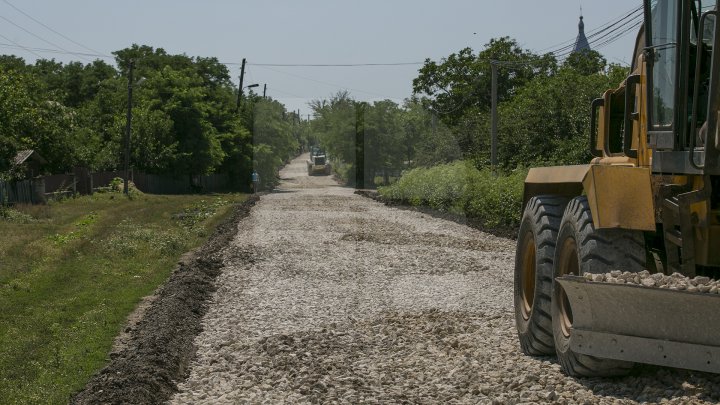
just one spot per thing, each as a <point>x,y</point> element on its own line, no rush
<point>543,110</point>
<point>186,120</point>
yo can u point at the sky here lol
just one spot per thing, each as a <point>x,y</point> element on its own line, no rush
<point>305,32</point>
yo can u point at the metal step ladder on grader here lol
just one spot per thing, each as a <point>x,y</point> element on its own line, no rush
<point>648,200</point>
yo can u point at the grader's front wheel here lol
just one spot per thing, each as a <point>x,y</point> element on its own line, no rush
<point>534,271</point>
<point>583,249</point>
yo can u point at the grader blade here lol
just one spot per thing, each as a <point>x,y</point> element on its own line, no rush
<point>646,325</point>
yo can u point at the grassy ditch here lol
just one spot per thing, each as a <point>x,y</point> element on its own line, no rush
<point>71,272</point>
<point>460,188</point>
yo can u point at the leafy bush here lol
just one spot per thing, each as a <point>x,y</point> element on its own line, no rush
<point>496,200</point>
<point>460,188</point>
<point>344,171</point>
<point>117,184</point>
<point>11,215</point>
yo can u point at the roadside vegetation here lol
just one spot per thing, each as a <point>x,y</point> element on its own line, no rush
<point>494,200</point>
<point>438,141</point>
<point>72,271</point>
<point>186,118</point>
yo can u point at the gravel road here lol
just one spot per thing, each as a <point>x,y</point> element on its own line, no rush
<point>330,297</point>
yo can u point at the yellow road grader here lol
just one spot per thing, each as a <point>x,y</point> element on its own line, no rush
<point>648,203</point>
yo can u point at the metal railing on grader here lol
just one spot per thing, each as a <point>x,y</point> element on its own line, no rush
<point>596,240</point>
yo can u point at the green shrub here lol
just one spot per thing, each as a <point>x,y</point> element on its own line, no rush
<point>460,188</point>
<point>344,171</point>
<point>11,215</point>
<point>117,184</point>
<point>496,200</point>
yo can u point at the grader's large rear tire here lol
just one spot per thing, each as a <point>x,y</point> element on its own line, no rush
<point>534,273</point>
<point>583,249</point>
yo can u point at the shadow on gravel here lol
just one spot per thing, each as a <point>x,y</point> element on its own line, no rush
<point>503,232</point>
<point>160,346</point>
<point>658,384</point>
<point>652,384</point>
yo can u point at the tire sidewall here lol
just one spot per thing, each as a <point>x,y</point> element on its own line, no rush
<point>567,230</point>
<point>538,230</point>
<point>594,250</point>
<point>525,235</point>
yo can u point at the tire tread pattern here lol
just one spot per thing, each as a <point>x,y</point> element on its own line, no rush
<point>542,217</point>
<point>600,251</point>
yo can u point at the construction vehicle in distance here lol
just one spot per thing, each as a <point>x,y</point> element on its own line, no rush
<point>648,200</point>
<point>318,162</point>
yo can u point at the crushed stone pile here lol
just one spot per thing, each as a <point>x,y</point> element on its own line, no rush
<point>675,281</point>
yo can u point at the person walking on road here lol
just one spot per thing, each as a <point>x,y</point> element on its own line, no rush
<point>255,181</point>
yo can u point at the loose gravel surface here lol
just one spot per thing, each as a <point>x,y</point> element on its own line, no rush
<point>330,297</point>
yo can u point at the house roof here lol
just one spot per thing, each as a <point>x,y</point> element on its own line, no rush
<point>25,155</point>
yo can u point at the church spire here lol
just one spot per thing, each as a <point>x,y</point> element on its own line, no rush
<point>581,43</point>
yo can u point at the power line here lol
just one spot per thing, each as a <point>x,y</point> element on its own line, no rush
<point>37,36</point>
<point>601,31</point>
<point>591,32</point>
<point>325,83</point>
<point>51,29</point>
<point>333,64</point>
<point>629,19</point>
<point>16,45</point>
<point>619,35</point>
<point>250,76</point>
<point>601,38</point>
<point>287,94</point>
<point>633,21</point>
<point>19,46</point>
<point>609,37</point>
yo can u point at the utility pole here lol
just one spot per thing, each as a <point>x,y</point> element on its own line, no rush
<point>128,128</point>
<point>299,129</point>
<point>264,90</point>
<point>240,87</point>
<point>494,135</point>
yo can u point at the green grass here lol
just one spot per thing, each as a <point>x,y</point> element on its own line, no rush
<point>460,188</point>
<point>71,272</point>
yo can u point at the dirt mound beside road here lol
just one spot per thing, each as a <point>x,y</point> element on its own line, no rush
<point>156,349</point>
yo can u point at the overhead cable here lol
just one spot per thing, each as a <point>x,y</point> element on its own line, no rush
<point>37,36</point>
<point>592,32</point>
<point>33,50</point>
<point>18,46</point>
<point>51,29</point>
<point>629,19</point>
<point>325,83</point>
<point>332,64</point>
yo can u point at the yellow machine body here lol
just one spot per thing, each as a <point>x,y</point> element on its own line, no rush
<point>652,191</point>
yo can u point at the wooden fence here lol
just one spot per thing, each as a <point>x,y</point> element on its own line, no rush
<point>18,192</point>
<point>81,181</point>
<point>159,184</point>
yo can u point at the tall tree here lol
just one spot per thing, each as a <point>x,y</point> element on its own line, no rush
<point>178,97</point>
<point>461,82</point>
